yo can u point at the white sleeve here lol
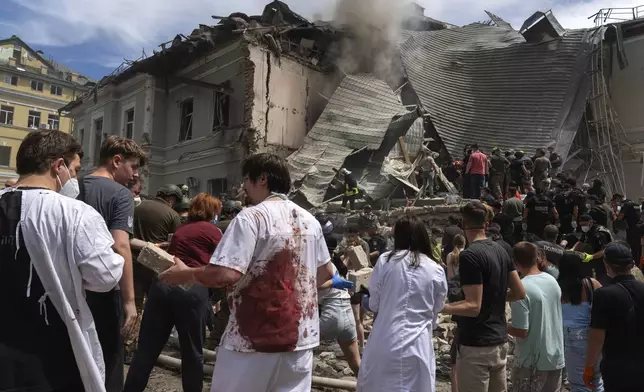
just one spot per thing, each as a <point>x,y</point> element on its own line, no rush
<point>100,267</point>
<point>321,250</point>
<point>374,286</point>
<point>440,293</point>
<point>236,248</point>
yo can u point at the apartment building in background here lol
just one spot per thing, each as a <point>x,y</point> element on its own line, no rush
<point>32,89</point>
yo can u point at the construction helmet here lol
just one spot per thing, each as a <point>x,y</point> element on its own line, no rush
<point>170,190</point>
<point>183,205</point>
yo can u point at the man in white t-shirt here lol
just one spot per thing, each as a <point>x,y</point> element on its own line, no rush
<point>273,254</point>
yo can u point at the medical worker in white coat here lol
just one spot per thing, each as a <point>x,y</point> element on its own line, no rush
<point>407,291</point>
<point>52,249</point>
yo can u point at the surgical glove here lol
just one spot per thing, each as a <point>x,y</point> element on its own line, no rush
<point>338,283</point>
<point>589,374</point>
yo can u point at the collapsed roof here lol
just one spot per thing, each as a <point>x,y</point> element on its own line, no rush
<point>363,114</point>
<point>486,84</point>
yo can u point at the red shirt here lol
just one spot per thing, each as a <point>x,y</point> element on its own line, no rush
<point>478,163</point>
<point>195,242</point>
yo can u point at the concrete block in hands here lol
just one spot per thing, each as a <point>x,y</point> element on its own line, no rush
<point>360,278</point>
<point>157,260</point>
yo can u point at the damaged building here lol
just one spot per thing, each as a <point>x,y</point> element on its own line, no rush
<point>276,82</point>
<point>202,103</point>
<point>487,83</point>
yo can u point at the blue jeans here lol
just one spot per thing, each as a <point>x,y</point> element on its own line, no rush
<point>575,346</point>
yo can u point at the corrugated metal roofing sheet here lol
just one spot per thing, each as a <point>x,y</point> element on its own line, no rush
<point>485,84</point>
<point>358,115</point>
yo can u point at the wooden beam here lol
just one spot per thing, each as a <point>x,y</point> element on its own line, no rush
<point>403,148</point>
<point>198,83</point>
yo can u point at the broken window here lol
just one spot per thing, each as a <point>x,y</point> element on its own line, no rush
<point>5,155</point>
<point>185,133</point>
<point>34,119</point>
<point>98,137</point>
<point>217,186</point>
<point>17,55</point>
<point>129,123</point>
<point>6,115</point>
<point>222,108</point>
<point>53,121</point>
<point>36,85</point>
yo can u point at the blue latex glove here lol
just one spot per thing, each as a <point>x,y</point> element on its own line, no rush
<point>338,283</point>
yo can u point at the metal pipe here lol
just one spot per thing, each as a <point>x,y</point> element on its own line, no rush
<point>322,382</point>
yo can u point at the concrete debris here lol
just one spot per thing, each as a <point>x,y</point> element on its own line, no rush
<point>157,260</point>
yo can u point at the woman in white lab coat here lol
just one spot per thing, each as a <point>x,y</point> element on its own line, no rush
<point>407,290</point>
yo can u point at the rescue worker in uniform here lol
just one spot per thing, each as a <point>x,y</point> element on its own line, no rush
<point>539,212</point>
<point>596,237</point>
<point>498,169</point>
<point>350,190</point>
<point>518,171</point>
<point>542,167</point>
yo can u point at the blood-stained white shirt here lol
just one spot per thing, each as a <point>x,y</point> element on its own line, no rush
<point>278,246</point>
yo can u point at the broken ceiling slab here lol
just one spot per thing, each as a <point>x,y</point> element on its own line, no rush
<point>485,84</point>
<point>361,113</point>
<point>541,26</point>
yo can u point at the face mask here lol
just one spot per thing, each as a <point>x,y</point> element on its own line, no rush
<point>585,229</point>
<point>70,188</point>
<point>137,201</point>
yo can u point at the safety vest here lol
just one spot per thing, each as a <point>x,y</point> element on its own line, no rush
<point>350,191</point>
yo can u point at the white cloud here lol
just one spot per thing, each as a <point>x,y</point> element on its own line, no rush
<point>124,27</point>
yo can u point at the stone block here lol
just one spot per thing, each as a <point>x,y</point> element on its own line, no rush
<point>157,260</point>
<point>360,278</point>
<point>358,259</point>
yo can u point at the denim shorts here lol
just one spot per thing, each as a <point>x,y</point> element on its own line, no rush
<point>337,321</point>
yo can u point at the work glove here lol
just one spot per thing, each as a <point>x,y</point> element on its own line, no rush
<point>338,282</point>
<point>589,374</point>
<point>574,225</point>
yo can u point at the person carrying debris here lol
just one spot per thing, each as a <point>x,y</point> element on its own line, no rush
<point>499,165</point>
<point>428,170</point>
<point>272,255</point>
<point>54,248</point>
<point>350,190</point>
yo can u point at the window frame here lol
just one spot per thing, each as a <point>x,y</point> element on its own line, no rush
<point>8,110</point>
<point>38,84</point>
<point>223,182</point>
<point>30,122</point>
<point>11,78</point>
<point>55,89</point>
<point>129,132</point>
<point>186,120</point>
<point>51,119</point>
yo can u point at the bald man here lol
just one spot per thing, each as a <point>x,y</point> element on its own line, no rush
<point>10,183</point>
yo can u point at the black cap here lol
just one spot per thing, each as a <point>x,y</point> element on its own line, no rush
<point>618,254</point>
<point>585,218</point>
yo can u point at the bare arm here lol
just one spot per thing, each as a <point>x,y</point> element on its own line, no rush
<point>122,247</point>
<point>596,339</point>
<point>215,276</point>
<point>517,291</point>
<point>470,306</point>
<point>555,212</point>
<point>324,273</point>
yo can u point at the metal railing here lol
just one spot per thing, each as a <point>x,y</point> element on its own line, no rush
<point>617,15</point>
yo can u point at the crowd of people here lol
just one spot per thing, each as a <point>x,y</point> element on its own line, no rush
<point>72,294</point>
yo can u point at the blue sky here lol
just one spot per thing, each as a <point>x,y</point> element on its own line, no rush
<point>94,36</point>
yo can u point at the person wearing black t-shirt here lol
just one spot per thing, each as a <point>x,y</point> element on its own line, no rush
<point>486,271</point>
<point>631,215</point>
<point>596,237</point>
<point>617,321</point>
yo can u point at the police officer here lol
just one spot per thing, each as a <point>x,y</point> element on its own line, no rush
<point>539,212</point>
<point>566,208</point>
<point>596,237</point>
<point>350,190</point>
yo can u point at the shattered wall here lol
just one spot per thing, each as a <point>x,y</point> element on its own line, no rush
<point>627,95</point>
<point>286,102</point>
